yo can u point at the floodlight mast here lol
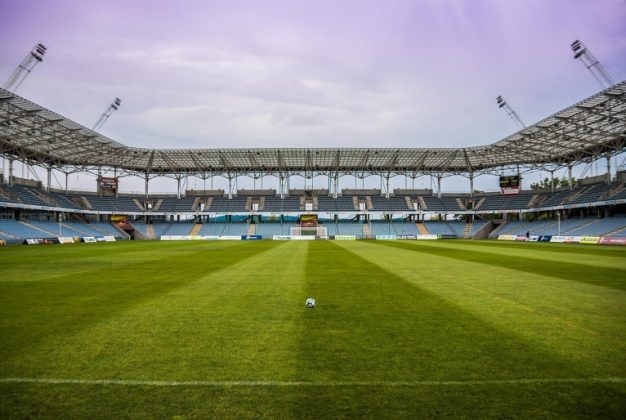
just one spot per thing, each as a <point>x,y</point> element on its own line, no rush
<point>26,66</point>
<point>510,111</point>
<point>593,65</point>
<point>106,114</point>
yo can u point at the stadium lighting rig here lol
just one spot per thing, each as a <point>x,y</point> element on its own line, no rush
<point>510,111</point>
<point>107,113</point>
<point>26,66</point>
<point>593,65</point>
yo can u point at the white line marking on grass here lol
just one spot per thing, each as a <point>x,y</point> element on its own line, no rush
<point>130,382</point>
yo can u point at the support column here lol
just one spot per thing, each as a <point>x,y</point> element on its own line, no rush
<point>569,176</point>
<point>438,186</point>
<point>11,172</point>
<point>608,169</point>
<point>49,180</point>
<point>147,186</point>
<point>178,187</point>
<point>67,175</point>
<point>552,181</point>
<point>230,187</point>
<point>387,186</point>
<point>281,185</point>
<point>336,187</point>
<point>471,178</point>
<point>117,184</point>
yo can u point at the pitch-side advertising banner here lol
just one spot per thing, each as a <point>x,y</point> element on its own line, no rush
<point>566,239</point>
<point>345,237</point>
<point>41,241</point>
<point>608,240</point>
<point>302,237</point>
<point>590,240</point>
<point>109,238</point>
<point>89,239</point>
<point>507,237</point>
<point>281,237</point>
<point>385,237</point>
<point>2,242</point>
<point>230,238</point>
<point>66,240</point>
<point>426,237</point>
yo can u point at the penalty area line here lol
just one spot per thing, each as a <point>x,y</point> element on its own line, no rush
<point>131,382</point>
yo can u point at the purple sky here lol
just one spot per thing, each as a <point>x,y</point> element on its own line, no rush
<point>301,74</point>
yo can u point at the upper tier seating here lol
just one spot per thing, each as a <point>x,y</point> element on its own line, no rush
<point>277,204</point>
<point>171,204</point>
<point>112,204</point>
<point>224,204</point>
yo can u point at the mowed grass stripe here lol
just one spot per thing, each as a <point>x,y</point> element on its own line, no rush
<point>213,327</point>
<point>48,312</point>
<point>50,263</point>
<point>130,382</point>
<point>580,322</point>
<point>600,276</point>
<point>373,325</point>
<point>548,247</point>
<point>556,253</point>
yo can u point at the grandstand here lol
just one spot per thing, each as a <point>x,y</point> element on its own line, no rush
<point>590,206</point>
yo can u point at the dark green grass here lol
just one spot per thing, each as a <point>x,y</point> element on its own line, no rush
<point>399,329</point>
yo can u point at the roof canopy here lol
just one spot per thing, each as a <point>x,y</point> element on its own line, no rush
<point>585,131</point>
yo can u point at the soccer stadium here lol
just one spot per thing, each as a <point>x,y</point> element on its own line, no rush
<point>318,296</point>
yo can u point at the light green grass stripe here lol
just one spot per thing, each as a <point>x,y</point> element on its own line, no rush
<point>472,382</point>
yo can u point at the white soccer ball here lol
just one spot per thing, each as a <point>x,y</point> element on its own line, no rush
<point>310,303</point>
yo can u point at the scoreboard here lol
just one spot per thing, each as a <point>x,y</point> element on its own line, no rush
<point>510,184</point>
<point>308,220</point>
<point>108,183</point>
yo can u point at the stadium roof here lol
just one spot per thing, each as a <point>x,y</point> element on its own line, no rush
<point>585,131</point>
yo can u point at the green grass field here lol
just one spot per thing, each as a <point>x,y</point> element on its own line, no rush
<point>403,329</point>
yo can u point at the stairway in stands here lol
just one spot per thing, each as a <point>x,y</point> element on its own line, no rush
<point>150,232</point>
<point>422,203</point>
<point>614,231</point>
<point>83,202</point>
<point>467,231</point>
<point>195,230</point>
<point>38,228</point>
<point>366,229</point>
<point>8,235</point>
<point>251,229</point>
<point>138,204</point>
<point>422,229</point>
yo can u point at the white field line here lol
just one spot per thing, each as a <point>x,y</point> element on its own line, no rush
<point>473,382</point>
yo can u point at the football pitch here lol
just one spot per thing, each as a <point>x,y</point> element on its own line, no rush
<point>402,329</point>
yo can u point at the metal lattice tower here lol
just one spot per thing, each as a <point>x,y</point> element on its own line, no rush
<point>593,65</point>
<point>106,114</point>
<point>509,110</point>
<point>26,66</point>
